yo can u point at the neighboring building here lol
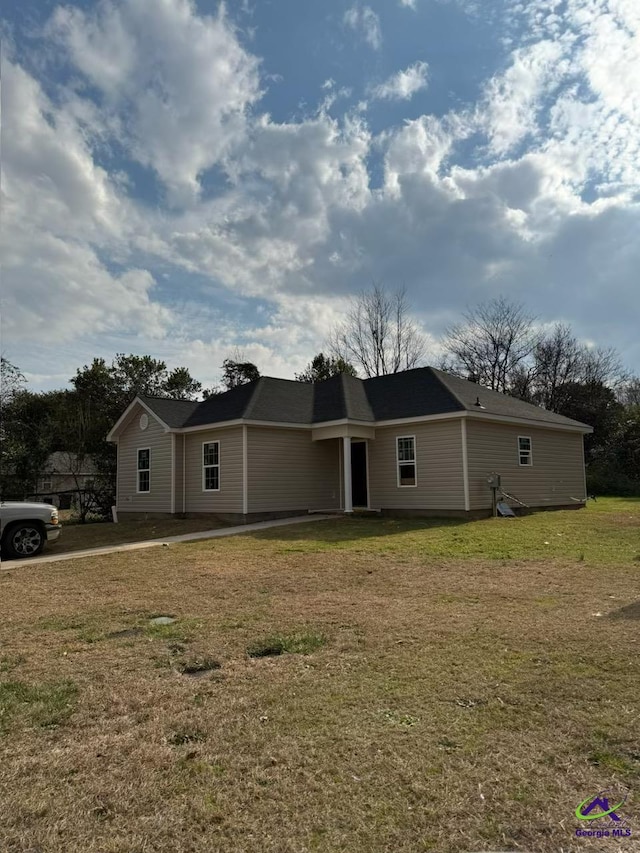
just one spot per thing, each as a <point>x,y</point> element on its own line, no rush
<point>417,442</point>
<point>62,475</point>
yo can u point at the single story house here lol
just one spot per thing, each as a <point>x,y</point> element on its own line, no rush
<point>419,442</point>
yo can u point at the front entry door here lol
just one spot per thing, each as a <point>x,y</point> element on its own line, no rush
<point>359,473</point>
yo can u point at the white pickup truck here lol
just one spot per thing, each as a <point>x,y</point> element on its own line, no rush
<point>25,527</point>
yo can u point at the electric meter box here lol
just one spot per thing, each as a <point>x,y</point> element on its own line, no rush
<point>493,481</point>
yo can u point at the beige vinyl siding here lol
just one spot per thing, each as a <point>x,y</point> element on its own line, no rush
<point>438,449</point>
<point>229,497</point>
<point>289,471</point>
<point>132,438</point>
<point>557,473</point>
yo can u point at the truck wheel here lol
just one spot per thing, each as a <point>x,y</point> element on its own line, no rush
<point>24,539</point>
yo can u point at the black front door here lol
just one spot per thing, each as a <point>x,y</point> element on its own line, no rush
<point>359,473</point>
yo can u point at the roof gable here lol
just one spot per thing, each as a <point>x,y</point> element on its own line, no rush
<point>146,404</point>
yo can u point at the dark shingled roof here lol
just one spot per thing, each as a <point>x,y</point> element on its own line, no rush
<point>174,413</point>
<point>223,407</point>
<point>281,400</point>
<point>409,394</point>
<point>495,403</point>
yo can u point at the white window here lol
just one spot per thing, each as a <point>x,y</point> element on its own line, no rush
<point>525,450</point>
<point>211,466</point>
<point>406,457</point>
<point>144,470</point>
<point>47,485</point>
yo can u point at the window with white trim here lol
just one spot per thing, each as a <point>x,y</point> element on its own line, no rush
<point>525,450</point>
<point>406,458</point>
<point>144,469</point>
<point>211,466</point>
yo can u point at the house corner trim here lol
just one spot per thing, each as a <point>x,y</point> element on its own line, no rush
<point>245,471</point>
<point>465,464</point>
<point>173,473</point>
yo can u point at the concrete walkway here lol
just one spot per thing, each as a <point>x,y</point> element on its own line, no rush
<point>5,565</point>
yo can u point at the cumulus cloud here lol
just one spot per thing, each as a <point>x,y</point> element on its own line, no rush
<point>57,203</point>
<point>572,95</point>
<point>514,99</point>
<point>363,20</point>
<point>403,85</point>
<point>179,85</point>
<point>301,175</point>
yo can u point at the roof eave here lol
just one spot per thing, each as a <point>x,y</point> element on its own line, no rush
<point>571,426</point>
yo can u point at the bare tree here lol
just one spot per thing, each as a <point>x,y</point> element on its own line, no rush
<point>377,335</point>
<point>492,345</point>
<point>11,381</point>
<point>558,358</point>
<point>629,392</point>
<point>85,490</point>
<point>602,364</point>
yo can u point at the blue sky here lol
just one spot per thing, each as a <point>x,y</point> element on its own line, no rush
<point>184,179</point>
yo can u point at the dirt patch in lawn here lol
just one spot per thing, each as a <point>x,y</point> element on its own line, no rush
<point>461,703</point>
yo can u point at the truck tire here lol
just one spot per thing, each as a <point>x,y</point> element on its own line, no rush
<point>23,539</point>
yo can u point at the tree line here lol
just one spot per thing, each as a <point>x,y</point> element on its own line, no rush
<point>497,344</point>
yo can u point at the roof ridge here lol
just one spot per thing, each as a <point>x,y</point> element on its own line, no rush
<point>253,398</point>
<point>436,374</point>
<point>166,399</point>
<point>343,396</point>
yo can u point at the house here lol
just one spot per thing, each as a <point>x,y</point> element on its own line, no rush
<point>62,475</point>
<point>419,442</point>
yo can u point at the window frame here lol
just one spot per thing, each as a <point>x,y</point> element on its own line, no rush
<point>205,467</point>
<point>140,470</point>
<point>399,462</point>
<point>528,454</point>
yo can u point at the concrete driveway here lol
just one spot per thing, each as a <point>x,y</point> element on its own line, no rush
<point>5,565</point>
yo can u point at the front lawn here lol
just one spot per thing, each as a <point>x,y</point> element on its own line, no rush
<point>360,685</point>
<point>100,534</point>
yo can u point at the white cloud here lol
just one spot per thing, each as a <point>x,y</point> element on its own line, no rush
<point>514,99</point>
<point>55,288</point>
<point>541,209</point>
<point>56,204</point>
<point>365,21</point>
<point>48,168</point>
<point>403,85</point>
<point>179,85</point>
<point>292,180</point>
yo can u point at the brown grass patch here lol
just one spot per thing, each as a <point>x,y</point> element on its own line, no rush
<point>101,534</point>
<point>454,704</point>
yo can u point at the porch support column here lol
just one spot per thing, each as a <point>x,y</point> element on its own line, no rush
<point>346,457</point>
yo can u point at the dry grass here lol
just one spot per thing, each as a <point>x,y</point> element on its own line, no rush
<point>460,702</point>
<point>99,534</point>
